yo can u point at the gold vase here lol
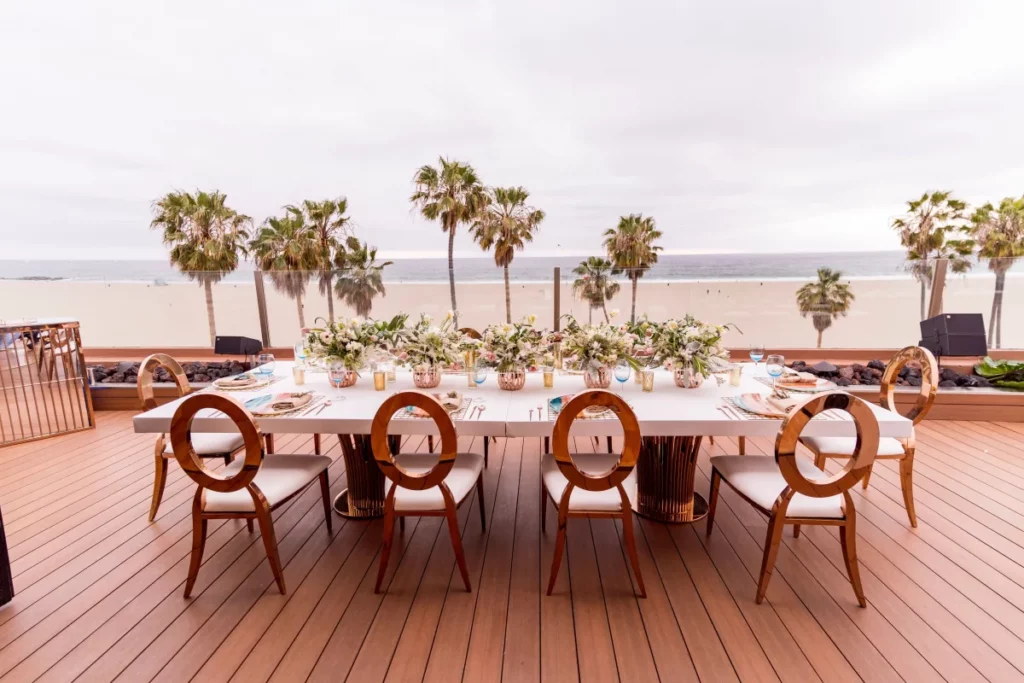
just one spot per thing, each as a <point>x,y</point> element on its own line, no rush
<point>513,380</point>
<point>426,376</point>
<point>598,378</point>
<point>686,378</point>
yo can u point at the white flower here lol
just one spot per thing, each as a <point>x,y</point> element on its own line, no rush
<point>531,319</point>
<point>614,313</point>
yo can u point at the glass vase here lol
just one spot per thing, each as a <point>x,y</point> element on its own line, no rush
<point>513,380</point>
<point>598,378</point>
<point>426,376</point>
<point>687,378</point>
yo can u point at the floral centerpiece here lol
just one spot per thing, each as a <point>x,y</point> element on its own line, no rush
<point>429,349</point>
<point>512,348</point>
<point>595,349</point>
<point>386,335</point>
<point>691,349</point>
<point>343,345</point>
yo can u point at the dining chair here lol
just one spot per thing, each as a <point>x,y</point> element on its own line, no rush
<point>250,488</point>
<point>470,332</point>
<point>791,490</point>
<point>53,345</point>
<point>206,445</point>
<point>420,485</point>
<point>591,484</point>
<point>889,448</point>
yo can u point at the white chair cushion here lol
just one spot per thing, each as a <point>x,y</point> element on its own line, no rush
<point>844,445</point>
<point>460,480</point>
<point>279,477</point>
<point>758,478</point>
<point>581,500</point>
<point>210,444</point>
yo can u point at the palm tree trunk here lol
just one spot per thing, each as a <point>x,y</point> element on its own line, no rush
<point>819,338</point>
<point>451,272</point>
<point>992,318</point>
<point>208,290</point>
<point>922,297</point>
<point>998,322</point>
<point>632,312</point>
<point>604,309</point>
<point>508,298</point>
<point>330,296</point>
<point>302,313</point>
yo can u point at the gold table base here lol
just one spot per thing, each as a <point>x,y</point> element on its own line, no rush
<point>364,497</point>
<point>664,480</point>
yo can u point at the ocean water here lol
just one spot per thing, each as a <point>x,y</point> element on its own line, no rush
<point>523,269</point>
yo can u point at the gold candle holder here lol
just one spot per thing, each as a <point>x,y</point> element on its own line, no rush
<point>469,358</point>
<point>647,380</point>
<point>549,378</point>
<point>391,372</point>
<point>558,355</point>
<point>299,374</point>
<point>735,375</point>
<point>380,380</point>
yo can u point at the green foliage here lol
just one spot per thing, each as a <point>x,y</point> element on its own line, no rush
<point>205,235</point>
<point>361,278</point>
<point>632,250</point>
<point>506,224</point>
<point>824,299</point>
<point>926,229</point>
<point>1008,374</point>
<point>283,247</point>
<point>594,283</point>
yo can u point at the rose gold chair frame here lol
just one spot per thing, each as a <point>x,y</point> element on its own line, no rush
<point>181,440</point>
<point>470,332</point>
<point>147,398</point>
<point>612,479</point>
<point>839,483</point>
<point>887,392</point>
<point>419,482</point>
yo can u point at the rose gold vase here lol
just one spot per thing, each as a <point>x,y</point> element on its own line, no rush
<point>686,378</point>
<point>600,378</point>
<point>426,377</point>
<point>512,381</point>
<point>342,379</point>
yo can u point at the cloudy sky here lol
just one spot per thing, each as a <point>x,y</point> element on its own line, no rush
<point>745,126</point>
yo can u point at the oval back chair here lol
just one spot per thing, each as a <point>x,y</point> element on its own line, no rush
<point>470,332</point>
<point>248,489</point>
<point>420,484</point>
<point>206,445</point>
<point>791,490</point>
<point>890,448</point>
<point>592,484</point>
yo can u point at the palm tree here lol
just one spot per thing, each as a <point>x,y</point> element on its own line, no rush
<point>924,230</point>
<point>361,277</point>
<point>452,194</point>
<point>507,224</point>
<point>632,250</point>
<point>206,238</point>
<point>328,222</point>
<point>594,285</point>
<point>824,300</point>
<point>284,247</point>
<point>999,234</point>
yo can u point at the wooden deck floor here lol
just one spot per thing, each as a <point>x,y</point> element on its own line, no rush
<point>99,588</point>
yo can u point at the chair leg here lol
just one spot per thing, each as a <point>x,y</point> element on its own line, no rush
<point>401,524</point>
<point>453,530</point>
<point>743,445</point>
<point>250,524</point>
<point>227,459</point>
<point>270,543</point>
<point>543,509</point>
<point>771,551</point>
<point>430,443</point>
<point>907,484</point>
<point>269,438</point>
<point>159,481</point>
<point>547,444</point>
<point>325,494</point>
<point>316,445</point>
<point>848,540</point>
<point>864,481</point>
<point>629,534</point>
<point>819,461</point>
<point>716,480</point>
<point>610,445</point>
<point>796,531</point>
<point>487,450</point>
<point>563,521</point>
<point>385,550</point>
<point>480,502</point>
<point>198,542</point>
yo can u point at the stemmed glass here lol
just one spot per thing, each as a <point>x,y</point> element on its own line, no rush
<point>756,354</point>
<point>622,372</point>
<point>265,364</point>
<point>775,364</point>
<point>479,375</point>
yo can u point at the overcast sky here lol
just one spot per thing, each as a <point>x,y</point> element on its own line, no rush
<point>744,126</point>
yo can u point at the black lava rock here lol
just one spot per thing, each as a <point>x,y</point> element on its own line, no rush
<point>914,380</point>
<point>843,382</point>
<point>876,364</point>
<point>947,383</point>
<point>824,368</point>
<point>948,375</point>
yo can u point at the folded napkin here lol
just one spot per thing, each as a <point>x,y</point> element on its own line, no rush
<point>798,378</point>
<point>239,381</point>
<point>783,405</point>
<point>286,402</point>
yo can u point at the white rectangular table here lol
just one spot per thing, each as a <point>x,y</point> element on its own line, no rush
<point>671,419</point>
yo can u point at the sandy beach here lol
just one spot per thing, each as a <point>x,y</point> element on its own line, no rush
<point>133,314</point>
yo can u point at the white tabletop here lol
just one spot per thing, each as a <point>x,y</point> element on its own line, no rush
<point>667,411</point>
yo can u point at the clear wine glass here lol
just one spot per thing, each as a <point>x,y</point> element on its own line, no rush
<point>775,364</point>
<point>756,354</point>
<point>265,364</point>
<point>622,373</point>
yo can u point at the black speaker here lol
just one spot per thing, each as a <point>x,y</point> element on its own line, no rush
<point>237,346</point>
<point>954,334</point>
